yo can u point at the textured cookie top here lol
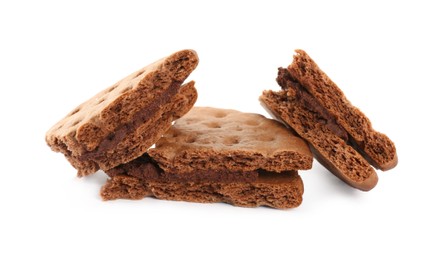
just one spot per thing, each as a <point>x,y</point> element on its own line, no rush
<point>90,109</point>
<point>212,138</point>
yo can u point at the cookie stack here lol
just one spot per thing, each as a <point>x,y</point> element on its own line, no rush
<point>219,155</point>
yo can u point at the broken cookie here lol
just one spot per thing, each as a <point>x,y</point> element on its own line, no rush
<point>218,155</point>
<point>340,135</point>
<point>121,122</point>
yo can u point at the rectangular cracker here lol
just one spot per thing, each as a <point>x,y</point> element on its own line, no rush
<point>223,139</point>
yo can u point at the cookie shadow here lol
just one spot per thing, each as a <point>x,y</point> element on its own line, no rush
<point>337,185</point>
<point>324,188</point>
<point>98,178</point>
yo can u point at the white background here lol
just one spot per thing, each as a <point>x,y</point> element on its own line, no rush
<point>54,55</point>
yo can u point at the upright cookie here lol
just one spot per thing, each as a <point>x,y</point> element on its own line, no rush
<point>340,135</point>
<point>218,155</point>
<point>121,122</point>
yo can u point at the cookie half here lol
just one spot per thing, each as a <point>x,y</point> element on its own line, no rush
<point>121,122</point>
<point>340,135</point>
<point>217,139</point>
<point>143,178</point>
<point>376,147</point>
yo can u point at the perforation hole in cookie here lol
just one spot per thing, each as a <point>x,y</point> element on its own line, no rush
<point>231,140</point>
<point>191,121</point>
<point>76,122</point>
<point>101,100</point>
<point>74,111</point>
<point>112,88</point>
<point>59,127</point>
<point>138,74</point>
<point>220,114</point>
<point>126,89</point>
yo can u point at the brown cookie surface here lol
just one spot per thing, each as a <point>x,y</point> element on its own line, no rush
<point>276,190</point>
<point>329,148</point>
<point>121,122</point>
<point>376,147</point>
<point>222,139</point>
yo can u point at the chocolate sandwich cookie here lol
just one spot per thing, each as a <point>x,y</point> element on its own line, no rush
<point>218,155</point>
<point>121,122</point>
<point>340,135</point>
<point>143,178</point>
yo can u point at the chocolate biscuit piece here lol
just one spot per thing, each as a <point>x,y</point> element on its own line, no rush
<point>339,134</point>
<point>218,155</point>
<point>142,178</point>
<point>330,149</point>
<point>121,122</point>
<point>218,139</point>
<point>376,147</point>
